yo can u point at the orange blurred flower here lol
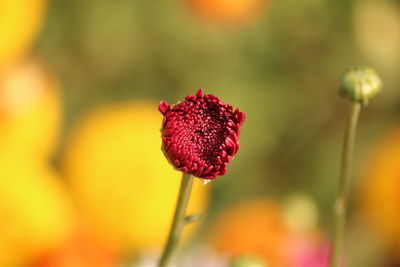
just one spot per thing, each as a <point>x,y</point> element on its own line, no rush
<point>120,177</point>
<point>253,227</point>
<point>260,228</point>
<point>80,250</point>
<point>20,22</point>
<point>380,187</point>
<point>236,12</point>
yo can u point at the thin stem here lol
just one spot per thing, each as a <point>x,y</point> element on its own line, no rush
<point>344,180</point>
<point>178,221</point>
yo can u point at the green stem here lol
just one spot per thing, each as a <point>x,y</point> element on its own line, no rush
<point>178,221</point>
<point>341,199</point>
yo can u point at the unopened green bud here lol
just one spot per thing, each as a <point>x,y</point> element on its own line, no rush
<point>247,261</point>
<point>360,84</point>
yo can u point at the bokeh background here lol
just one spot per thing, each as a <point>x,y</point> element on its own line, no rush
<point>83,181</point>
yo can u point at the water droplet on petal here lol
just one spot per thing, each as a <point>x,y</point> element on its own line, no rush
<point>205,181</point>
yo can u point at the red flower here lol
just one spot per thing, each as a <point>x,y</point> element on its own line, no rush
<point>200,135</point>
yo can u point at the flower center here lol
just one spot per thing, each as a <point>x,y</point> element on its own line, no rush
<point>203,131</point>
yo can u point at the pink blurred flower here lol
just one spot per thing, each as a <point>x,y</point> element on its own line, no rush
<point>200,135</point>
<point>306,252</point>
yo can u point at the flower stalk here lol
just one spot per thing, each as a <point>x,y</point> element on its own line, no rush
<point>360,85</point>
<point>179,220</point>
<point>344,181</point>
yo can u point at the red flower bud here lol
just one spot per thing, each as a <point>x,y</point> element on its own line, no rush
<point>200,135</point>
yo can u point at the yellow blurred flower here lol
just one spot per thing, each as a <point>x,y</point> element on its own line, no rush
<point>301,213</point>
<point>35,211</point>
<point>29,111</point>
<point>20,22</point>
<point>121,178</point>
<point>377,31</point>
<point>380,187</point>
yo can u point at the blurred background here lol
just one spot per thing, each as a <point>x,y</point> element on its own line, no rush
<point>83,181</point>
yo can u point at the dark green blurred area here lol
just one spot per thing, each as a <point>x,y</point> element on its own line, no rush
<point>282,70</point>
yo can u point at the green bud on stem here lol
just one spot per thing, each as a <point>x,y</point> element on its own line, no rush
<point>360,84</point>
